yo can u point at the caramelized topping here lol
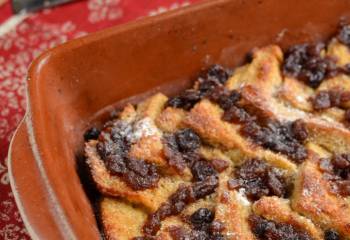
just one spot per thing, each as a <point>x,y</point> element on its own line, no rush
<point>113,146</point>
<point>305,63</point>
<point>337,171</point>
<point>267,229</point>
<point>259,179</point>
<point>178,201</point>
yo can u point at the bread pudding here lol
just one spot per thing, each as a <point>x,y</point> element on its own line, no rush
<point>258,152</point>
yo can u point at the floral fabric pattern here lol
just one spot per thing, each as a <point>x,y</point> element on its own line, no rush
<point>22,38</point>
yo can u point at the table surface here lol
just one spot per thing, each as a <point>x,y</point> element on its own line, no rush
<point>24,37</point>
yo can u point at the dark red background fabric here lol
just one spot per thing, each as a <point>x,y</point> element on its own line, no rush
<point>24,37</point>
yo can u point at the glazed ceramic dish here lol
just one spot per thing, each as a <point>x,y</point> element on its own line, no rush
<point>69,85</point>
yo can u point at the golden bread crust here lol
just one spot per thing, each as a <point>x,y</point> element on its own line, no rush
<point>121,220</point>
<point>312,198</point>
<point>233,212</point>
<point>113,186</point>
<point>171,119</point>
<point>278,210</point>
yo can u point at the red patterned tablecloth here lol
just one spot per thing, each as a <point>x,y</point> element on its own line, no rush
<point>24,37</point>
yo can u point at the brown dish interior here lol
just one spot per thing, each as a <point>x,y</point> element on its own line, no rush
<point>68,85</point>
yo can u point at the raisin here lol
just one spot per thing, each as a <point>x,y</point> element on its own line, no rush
<point>234,184</point>
<point>141,175</point>
<point>187,140</point>
<point>336,97</point>
<point>236,115</point>
<point>91,134</point>
<point>330,98</point>
<point>216,72</point>
<point>113,147</point>
<point>219,73</point>
<point>145,238</point>
<point>267,229</point>
<point>181,148</point>
<point>178,201</point>
<point>205,188</point>
<point>209,86</point>
<point>116,165</point>
<point>344,35</point>
<point>258,179</point>
<point>113,153</point>
<point>341,161</point>
<point>285,138</point>
<point>172,153</point>
<point>299,130</point>
<point>201,170</point>
<point>322,101</point>
<point>331,235</point>
<point>201,218</point>
<point>344,97</point>
<point>229,99</point>
<point>198,235</point>
<point>178,233</point>
<point>305,63</point>
<point>217,236</point>
<point>203,227</point>
<point>347,115</point>
<point>276,136</point>
<point>210,82</point>
<point>219,164</point>
<point>175,204</point>
<point>185,100</point>
<point>345,69</point>
<point>343,187</point>
<point>276,186</point>
<point>337,171</point>
<point>218,94</point>
<point>217,226</point>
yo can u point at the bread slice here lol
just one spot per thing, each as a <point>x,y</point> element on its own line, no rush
<point>113,186</point>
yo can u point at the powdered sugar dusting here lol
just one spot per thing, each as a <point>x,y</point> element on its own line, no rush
<point>242,198</point>
<point>300,99</point>
<point>306,192</point>
<point>143,128</point>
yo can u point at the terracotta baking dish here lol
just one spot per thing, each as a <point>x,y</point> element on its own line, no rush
<point>69,85</point>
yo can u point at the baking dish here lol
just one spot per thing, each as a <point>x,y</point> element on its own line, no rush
<point>69,85</point>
